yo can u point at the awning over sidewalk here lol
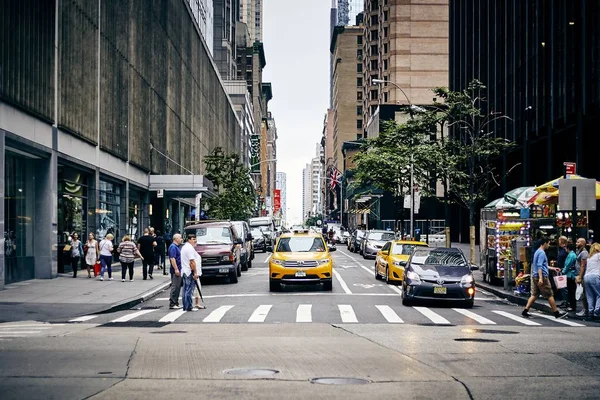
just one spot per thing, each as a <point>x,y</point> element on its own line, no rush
<point>185,186</point>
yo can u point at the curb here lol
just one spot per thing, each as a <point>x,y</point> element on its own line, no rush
<point>126,304</point>
<point>522,301</point>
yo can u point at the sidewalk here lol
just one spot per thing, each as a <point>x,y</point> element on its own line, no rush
<point>62,296</point>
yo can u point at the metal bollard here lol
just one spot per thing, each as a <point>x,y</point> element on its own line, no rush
<point>506,275</point>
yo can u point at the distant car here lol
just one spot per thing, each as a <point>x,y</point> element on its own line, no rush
<point>355,240</point>
<point>259,240</point>
<point>219,246</point>
<point>392,258</point>
<point>438,273</point>
<point>374,241</point>
<point>247,248</point>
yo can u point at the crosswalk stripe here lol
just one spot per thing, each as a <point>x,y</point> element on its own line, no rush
<point>172,316</point>
<point>434,317</point>
<point>216,315</point>
<point>304,313</point>
<point>13,333</point>
<point>260,314</point>
<point>347,313</point>
<point>131,316</point>
<point>473,316</point>
<point>83,319</point>
<point>389,314</point>
<point>515,318</point>
<point>560,321</point>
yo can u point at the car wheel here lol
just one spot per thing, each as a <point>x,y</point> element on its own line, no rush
<point>245,266</point>
<point>377,276</point>
<point>405,301</point>
<point>274,286</point>
<point>239,270</point>
<point>470,304</point>
<point>233,276</point>
<point>387,275</point>
<point>328,286</point>
<point>249,264</point>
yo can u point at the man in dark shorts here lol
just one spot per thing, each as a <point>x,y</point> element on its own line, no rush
<point>540,281</point>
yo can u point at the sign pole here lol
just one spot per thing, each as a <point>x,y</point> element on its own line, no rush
<point>574,216</point>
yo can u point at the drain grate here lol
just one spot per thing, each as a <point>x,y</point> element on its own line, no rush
<point>476,340</point>
<point>491,331</point>
<point>340,381</point>
<point>134,324</point>
<point>105,373</point>
<point>251,372</point>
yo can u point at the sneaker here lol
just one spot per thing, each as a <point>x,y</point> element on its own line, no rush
<point>176,307</point>
<point>110,279</point>
<point>582,313</point>
<point>560,314</point>
<point>150,276</point>
<point>526,314</point>
<point>569,309</point>
<point>122,280</point>
<point>193,309</point>
<point>101,278</point>
<point>131,280</point>
<point>563,305</point>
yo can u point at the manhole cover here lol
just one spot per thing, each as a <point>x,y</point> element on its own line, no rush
<point>492,331</point>
<point>167,332</point>
<point>340,381</point>
<point>251,372</point>
<point>476,340</point>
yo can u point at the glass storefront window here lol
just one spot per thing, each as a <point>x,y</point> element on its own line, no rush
<point>109,209</point>
<point>134,215</point>
<point>72,203</point>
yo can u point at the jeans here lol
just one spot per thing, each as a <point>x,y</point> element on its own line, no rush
<point>125,267</point>
<point>571,288</point>
<point>188,290</point>
<point>75,265</point>
<point>106,262</point>
<point>592,293</point>
<point>175,290</point>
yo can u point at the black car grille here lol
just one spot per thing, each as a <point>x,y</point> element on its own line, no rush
<point>211,260</point>
<point>310,276</point>
<point>446,281</point>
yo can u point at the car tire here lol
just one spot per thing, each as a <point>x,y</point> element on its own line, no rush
<point>387,275</point>
<point>377,276</point>
<point>250,264</point>
<point>470,304</point>
<point>245,266</point>
<point>233,276</point>
<point>328,286</point>
<point>239,270</point>
<point>405,301</point>
<point>274,286</point>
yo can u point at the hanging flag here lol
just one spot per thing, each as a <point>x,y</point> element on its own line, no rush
<point>335,176</point>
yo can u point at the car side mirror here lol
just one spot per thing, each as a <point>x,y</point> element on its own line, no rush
<point>474,267</point>
<point>403,263</point>
<point>270,249</point>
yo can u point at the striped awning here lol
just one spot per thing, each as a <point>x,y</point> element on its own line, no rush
<point>360,210</point>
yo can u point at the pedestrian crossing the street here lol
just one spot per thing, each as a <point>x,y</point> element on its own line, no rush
<point>341,313</point>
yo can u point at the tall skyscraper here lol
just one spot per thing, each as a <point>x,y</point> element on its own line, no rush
<point>306,192</point>
<point>226,17</point>
<point>251,13</point>
<point>202,11</point>
<point>347,10</point>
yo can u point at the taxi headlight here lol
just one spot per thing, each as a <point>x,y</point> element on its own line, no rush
<point>397,263</point>
<point>321,262</point>
<point>467,279</point>
<point>278,262</point>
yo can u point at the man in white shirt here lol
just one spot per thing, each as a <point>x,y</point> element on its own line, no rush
<point>189,271</point>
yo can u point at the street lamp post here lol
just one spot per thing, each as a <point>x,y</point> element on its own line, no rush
<point>412,186</point>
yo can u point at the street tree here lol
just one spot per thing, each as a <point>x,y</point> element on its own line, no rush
<point>235,197</point>
<point>313,220</point>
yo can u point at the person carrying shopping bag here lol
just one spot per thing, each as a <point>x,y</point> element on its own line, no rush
<point>91,251</point>
<point>570,272</point>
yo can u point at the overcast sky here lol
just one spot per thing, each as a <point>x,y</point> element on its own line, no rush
<point>296,42</point>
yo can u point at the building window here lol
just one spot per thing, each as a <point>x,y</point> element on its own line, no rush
<point>359,82</point>
<point>385,97</point>
<point>374,64</point>
<point>374,50</point>
<point>373,109</point>
<point>109,211</point>
<point>374,94</point>
<point>385,65</point>
<point>385,15</point>
<point>374,35</point>
<point>385,48</point>
<point>359,54</point>
<point>359,110</point>
<point>359,96</point>
<point>374,20</point>
<point>385,32</point>
<point>359,67</point>
<point>359,40</point>
<point>359,123</point>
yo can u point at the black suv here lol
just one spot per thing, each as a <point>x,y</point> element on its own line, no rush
<point>247,247</point>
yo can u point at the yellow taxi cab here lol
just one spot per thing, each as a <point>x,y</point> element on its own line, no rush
<point>391,259</point>
<point>300,257</point>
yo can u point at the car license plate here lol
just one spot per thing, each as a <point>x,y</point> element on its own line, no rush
<point>223,270</point>
<point>439,290</point>
<point>300,274</point>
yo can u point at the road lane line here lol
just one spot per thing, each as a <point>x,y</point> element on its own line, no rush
<point>84,318</point>
<point>17,333</point>
<point>304,313</point>
<point>347,313</point>
<point>339,278</point>
<point>395,288</point>
<point>172,316</point>
<point>260,314</point>
<point>268,258</point>
<point>434,317</point>
<point>131,316</point>
<point>389,314</point>
<point>560,321</point>
<point>216,315</point>
<point>523,321</point>
<point>371,272</point>
<point>473,316</point>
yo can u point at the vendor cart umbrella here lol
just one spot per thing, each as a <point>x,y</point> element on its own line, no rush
<point>549,190</point>
<point>492,204</point>
<point>521,197</point>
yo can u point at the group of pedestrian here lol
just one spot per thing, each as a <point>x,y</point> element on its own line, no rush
<point>578,266</point>
<point>186,269</point>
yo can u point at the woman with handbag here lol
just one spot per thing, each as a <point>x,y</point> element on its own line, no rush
<point>106,256</point>
<point>76,253</point>
<point>127,252</point>
<point>91,251</point>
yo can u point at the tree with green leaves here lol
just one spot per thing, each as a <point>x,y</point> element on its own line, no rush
<point>235,199</point>
<point>312,220</point>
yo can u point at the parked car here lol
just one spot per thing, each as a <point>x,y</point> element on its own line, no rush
<point>260,240</point>
<point>247,249</point>
<point>438,273</point>
<point>220,248</point>
<point>374,241</point>
<point>355,240</point>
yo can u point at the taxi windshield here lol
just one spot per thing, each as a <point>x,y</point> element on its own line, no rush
<point>214,235</point>
<point>381,236</point>
<point>403,249</point>
<point>300,244</point>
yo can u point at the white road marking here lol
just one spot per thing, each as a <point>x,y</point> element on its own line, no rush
<point>84,318</point>
<point>260,314</point>
<point>521,320</point>
<point>389,314</point>
<point>434,317</point>
<point>304,313</point>
<point>13,333</point>
<point>347,313</point>
<point>41,325</point>
<point>560,321</point>
<point>216,315</point>
<point>268,258</point>
<point>131,316</point>
<point>396,289</point>
<point>172,316</point>
<point>473,316</point>
<point>342,283</point>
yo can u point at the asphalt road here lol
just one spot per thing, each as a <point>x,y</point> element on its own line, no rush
<point>360,330</point>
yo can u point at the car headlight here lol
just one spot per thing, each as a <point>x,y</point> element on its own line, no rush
<point>467,279</point>
<point>413,276</point>
<point>321,262</point>
<point>278,262</point>
<point>368,244</point>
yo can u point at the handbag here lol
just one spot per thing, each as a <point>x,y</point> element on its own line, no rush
<point>579,292</point>
<point>560,281</point>
<point>67,247</point>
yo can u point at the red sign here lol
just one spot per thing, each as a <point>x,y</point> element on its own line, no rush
<point>276,200</point>
<point>569,168</point>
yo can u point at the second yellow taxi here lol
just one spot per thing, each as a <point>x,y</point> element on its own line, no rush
<point>300,257</point>
<point>391,259</point>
